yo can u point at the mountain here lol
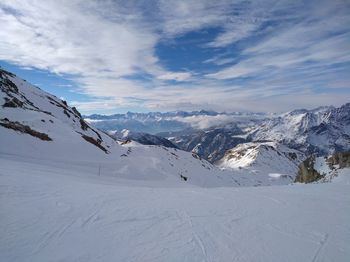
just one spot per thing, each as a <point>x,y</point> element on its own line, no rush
<point>136,122</point>
<point>157,122</point>
<point>322,130</point>
<point>269,159</point>
<point>152,122</point>
<point>37,125</point>
<point>211,144</point>
<point>142,138</point>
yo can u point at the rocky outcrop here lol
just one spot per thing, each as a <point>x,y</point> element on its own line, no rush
<point>306,172</point>
<point>24,129</point>
<point>342,159</point>
<point>210,144</point>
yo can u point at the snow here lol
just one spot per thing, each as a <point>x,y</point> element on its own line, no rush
<point>321,166</point>
<point>268,162</point>
<point>275,175</point>
<point>54,211</point>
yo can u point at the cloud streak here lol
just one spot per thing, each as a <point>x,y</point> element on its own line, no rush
<point>261,53</point>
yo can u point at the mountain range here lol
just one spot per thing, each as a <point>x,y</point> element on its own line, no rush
<point>320,131</point>
<point>238,144</point>
<point>38,125</point>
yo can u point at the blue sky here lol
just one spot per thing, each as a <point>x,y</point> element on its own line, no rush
<point>117,56</point>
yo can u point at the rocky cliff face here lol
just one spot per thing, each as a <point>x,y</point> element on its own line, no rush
<point>307,173</point>
<point>322,168</point>
<point>211,144</point>
<point>341,159</point>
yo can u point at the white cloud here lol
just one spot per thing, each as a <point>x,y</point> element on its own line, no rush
<point>177,76</point>
<point>66,38</point>
<point>179,17</point>
<point>203,122</point>
<point>220,60</point>
<point>232,72</point>
<point>315,39</point>
<point>110,49</point>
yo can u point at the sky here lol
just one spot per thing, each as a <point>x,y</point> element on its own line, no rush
<point>115,56</point>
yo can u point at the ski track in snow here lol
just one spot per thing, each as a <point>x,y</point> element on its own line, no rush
<point>322,243</point>
<point>50,213</point>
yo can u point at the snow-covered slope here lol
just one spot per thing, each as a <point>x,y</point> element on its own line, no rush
<point>38,125</point>
<point>52,212</point>
<point>33,122</point>
<point>267,159</point>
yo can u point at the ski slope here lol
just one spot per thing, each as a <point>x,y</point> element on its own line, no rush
<point>66,211</point>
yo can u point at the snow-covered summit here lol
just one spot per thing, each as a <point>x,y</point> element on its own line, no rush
<point>323,130</point>
<point>269,160</point>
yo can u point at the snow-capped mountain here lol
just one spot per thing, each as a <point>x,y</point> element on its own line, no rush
<point>270,159</point>
<point>142,138</point>
<point>157,122</point>
<point>151,123</point>
<point>211,144</point>
<point>323,130</point>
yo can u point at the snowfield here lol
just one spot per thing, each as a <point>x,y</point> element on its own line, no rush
<point>66,211</point>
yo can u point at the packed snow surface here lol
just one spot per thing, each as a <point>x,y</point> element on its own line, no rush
<point>68,211</point>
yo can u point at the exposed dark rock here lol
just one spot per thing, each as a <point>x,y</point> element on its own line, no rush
<point>144,138</point>
<point>293,155</point>
<point>341,158</point>
<point>83,124</point>
<point>24,129</point>
<point>76,112</point>
<point>184,178</point>
<point>66,113</point>
<point>125,142</point>
<point>306,172</point>
<point>13,102</point>
<point>210,144</point>
<point>95,142</point>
